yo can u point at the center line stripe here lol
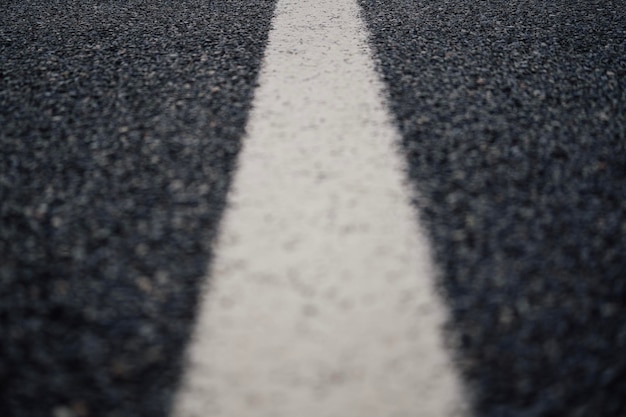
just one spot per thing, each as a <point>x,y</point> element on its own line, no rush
<point>321,301</point>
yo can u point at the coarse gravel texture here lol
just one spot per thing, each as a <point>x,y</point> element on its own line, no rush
<point>120,122</point>
<point>513,115</point>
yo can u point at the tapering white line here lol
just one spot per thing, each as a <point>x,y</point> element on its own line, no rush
<point>321,301</point>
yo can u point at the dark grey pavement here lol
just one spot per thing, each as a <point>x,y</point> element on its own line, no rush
<point>119,125</point>
<point>120,122</point>
<point>513,115</point>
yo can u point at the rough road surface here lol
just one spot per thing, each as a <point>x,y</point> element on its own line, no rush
<point>120,124</point>
<point>514,122</point>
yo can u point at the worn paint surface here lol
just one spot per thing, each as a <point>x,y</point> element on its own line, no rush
<point>321,301</point>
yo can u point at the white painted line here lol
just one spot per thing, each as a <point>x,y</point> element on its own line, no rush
<point>321,302</point>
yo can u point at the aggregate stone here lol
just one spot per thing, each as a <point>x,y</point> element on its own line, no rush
<point>513,118</point>
<point>120,122</point>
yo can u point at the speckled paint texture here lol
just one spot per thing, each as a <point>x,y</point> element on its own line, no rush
<point>321,301</point>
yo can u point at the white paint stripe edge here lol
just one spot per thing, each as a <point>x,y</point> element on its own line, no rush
<point>322,301</point>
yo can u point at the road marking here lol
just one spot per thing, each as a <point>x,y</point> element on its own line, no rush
<point>321,301</point>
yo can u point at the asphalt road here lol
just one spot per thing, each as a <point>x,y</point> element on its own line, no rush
<point>119,127</point>
<point>513,115</point>
<point>119,122</point>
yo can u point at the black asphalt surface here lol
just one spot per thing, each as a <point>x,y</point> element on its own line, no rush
<point>119,125</point>
<point>120,122</point>
<point>513,116</point>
